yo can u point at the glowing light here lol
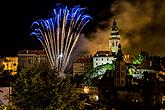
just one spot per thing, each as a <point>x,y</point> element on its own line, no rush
<point>60,33</point>
<point>94,97</point>
<point>139,59</point>
<point>60,56</point>
<point>10,63</point>
<point>86,89</point>
<point>163,99</point>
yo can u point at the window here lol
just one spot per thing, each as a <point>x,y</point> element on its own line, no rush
<point>112,43</point>
<point>29,60</point>
<point>14,64</point>
<point>116,43</point>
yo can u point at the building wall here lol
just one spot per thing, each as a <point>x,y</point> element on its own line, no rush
<point>4,95</point>
<point>11,64</point>
<point>98,61</point>
<point>82,65</point>
<point>130,97</point>
<point>114,43</point>
<point>31,58</point>
<point>120,74</point>
<point>134,97</point>
<point>81,68</point>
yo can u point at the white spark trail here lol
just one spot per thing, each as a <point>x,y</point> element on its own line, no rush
<point>60,33</point>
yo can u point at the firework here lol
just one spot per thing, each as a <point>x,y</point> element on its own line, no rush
<point>60,33</point>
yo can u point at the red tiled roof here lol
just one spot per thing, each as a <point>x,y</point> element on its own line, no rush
<point>84,59</point>
<point>32,52</point>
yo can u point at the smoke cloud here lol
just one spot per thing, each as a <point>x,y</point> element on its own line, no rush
<point>141,24</point>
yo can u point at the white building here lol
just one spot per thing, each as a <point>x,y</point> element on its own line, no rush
<point>102,57</point>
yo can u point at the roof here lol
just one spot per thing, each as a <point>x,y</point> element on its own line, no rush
<point>103,54</point>
<point>84,59</point>
<point>32,52</point>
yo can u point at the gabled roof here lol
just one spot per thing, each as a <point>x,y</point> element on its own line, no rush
<point>84,59</point>
<point>103,54</point>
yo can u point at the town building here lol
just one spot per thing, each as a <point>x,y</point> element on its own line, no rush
<point>128,58</point>
<point>10,64</point>
<point>103,57</point>
<point>82,65</point>
<point>31,58</point>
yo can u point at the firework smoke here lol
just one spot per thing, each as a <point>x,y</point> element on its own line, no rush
<point>141,24</point>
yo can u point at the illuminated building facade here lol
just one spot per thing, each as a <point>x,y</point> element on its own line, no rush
<point>10,64</point>
<point>137,71</point>
<point>82,65</point>
<point>102,57</point>
<point>128,58</point>
<point>31,58</point>
<point>114,39</point>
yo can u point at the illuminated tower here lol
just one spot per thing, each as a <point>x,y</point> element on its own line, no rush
<point>114,39</point>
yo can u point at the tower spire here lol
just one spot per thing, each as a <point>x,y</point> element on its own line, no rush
<point>114,40</point>
<point>114,20</point>
<point>114,24</point>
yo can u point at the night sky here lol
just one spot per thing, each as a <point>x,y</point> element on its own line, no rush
<point>141,23</point>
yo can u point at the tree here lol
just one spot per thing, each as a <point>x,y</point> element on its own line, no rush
<point>41,89</point>
<point>139,59</point>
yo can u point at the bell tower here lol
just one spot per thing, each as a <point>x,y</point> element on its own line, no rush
<point>114,38</point>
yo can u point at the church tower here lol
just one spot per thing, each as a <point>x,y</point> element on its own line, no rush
<point>114,39</point>
<point>120,71</point>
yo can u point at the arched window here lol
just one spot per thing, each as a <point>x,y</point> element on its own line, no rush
<point>116,43</point>
<point>112,43</point>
